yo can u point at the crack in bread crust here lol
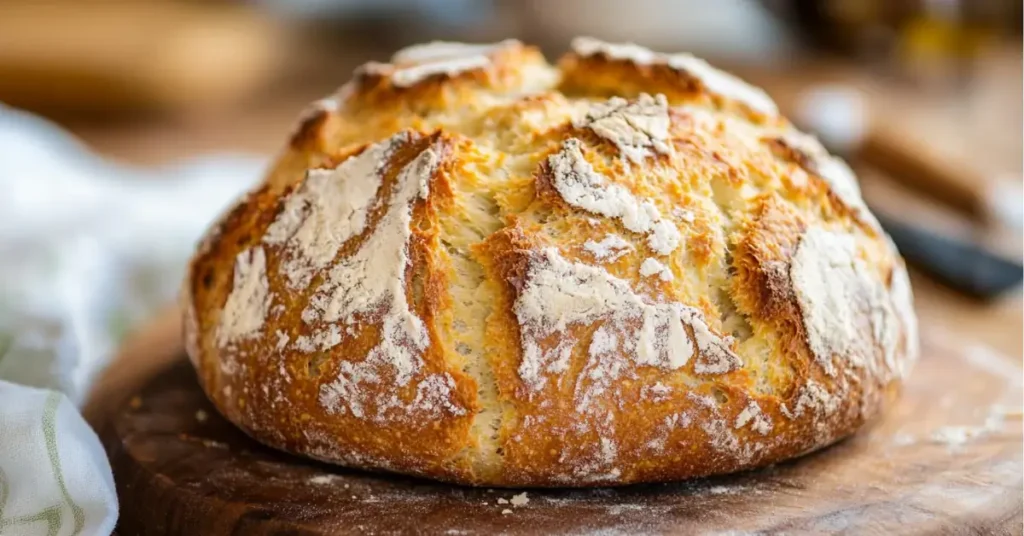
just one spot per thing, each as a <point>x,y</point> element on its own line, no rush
<point>472,266</point>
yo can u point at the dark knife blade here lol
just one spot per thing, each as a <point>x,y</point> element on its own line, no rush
<point>959,264</point>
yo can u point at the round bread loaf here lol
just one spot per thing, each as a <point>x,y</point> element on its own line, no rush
<point>473,266</point>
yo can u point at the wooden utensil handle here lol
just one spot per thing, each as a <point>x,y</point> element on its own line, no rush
<point>918,166</point>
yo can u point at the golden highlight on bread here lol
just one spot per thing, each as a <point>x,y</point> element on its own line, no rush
<point>474,266</point>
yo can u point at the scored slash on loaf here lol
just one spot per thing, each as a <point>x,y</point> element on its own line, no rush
<point>474,266</point>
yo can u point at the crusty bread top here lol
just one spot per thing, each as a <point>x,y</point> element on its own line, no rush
<point>472,265</point>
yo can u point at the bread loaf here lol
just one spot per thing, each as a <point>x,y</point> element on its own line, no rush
<point>474,266</point>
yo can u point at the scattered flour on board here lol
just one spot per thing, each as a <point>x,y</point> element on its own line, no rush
<point>323,479</point>
<point>635,127</point>
<point>520,499</point>
<point>903,439</point>
<point>583,187</point>
<point>714,80</point>
<point>608,249</point>
<point>724,490</point>
<point>956,436</point>
<point>558,294</point>
<point>249,301</point>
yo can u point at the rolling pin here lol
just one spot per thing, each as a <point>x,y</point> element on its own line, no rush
<point>131,56</point>
<point>915,165</point>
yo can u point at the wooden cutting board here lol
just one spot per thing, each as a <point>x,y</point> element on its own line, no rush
<point>948,460</point>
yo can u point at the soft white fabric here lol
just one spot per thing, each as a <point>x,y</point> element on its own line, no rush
<point>54,476</point>
<point>87,249</point>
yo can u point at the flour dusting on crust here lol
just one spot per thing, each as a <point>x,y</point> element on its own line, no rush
<point>583,187</point>
<point>369,286</point>
<point>635,127</point>
<point>608,249</point>
<point>446,50</point>
<point>752,415</point>
<point>558,294</point>
<point>247,305</point>
<point>417,63</point>
<point>651,266</point>
<point>723,83</point>
<point>829,285</point>
<point>328,208</point>
<point>714,80</point>
<point>836,172</point>
<point>812,397</point>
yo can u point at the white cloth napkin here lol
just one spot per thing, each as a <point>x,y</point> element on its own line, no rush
<point>87,249</point>
<point>54,475</point>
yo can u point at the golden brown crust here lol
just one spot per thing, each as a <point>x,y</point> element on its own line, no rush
<point>403,292</point>
<point>601,74</point>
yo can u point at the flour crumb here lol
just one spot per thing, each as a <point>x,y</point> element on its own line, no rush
<point>324,479</point>
<point>723,490</point>
<point>903,439</point>
<point>956,436</point>
<point>502,500</point>
<point>201,416</point>
<point>520,499</point>
<point>506,512</point>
